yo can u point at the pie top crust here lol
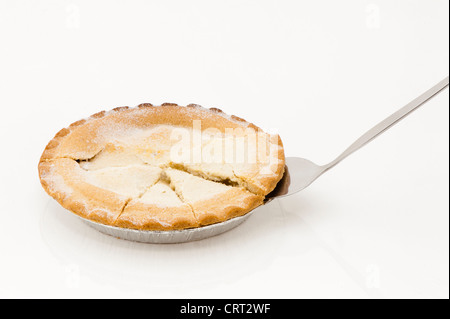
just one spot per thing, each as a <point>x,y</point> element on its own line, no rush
<point>162,167</point>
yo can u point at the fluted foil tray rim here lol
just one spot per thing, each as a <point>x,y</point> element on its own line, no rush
<point>168,236</point>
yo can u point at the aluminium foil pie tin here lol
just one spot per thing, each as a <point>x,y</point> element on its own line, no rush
<point>169,236</point>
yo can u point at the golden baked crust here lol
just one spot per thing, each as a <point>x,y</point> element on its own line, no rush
<point>63,180</point>
<point>212,202</point>
<point>78,167</point>
<point>235,202</point>
<point>143,216</point>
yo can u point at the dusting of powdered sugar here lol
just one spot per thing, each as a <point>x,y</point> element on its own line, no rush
<point>117,132</point>
<point>201,112</point>
<point>159,221</point>
<point>56,182</point>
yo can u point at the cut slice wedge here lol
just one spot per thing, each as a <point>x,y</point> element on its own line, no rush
<point>131,181</point>
<point>158,209</point>
<point>66,181</point>
<point>212,202</point>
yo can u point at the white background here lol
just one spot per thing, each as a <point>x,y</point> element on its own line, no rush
<point>319,72</point>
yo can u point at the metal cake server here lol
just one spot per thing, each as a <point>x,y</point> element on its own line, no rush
<point>299,174</point>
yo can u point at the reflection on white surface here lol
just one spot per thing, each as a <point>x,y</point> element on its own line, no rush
<point>236,255</point>
<point>139,265</point>
<point>308,245</point>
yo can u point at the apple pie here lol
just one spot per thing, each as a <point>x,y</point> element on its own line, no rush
<point>164,167</point>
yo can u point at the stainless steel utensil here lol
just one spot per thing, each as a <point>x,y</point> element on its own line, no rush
<point>303,172</point>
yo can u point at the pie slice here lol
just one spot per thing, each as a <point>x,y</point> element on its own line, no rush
<point>67,182</point>
<point>212,202</point>
<point>158,209</point>
<point>99,195</point>
<point>130,181</point>
<point>162,167</point>
<point>250,160</point>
